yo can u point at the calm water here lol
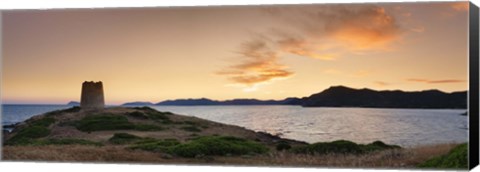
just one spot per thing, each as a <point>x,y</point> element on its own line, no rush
<point>406,127</point>
<point>12,114</point>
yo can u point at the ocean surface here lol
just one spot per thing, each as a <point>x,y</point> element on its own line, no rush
<point>405,127</point>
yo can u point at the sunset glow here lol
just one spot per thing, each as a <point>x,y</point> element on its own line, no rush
<point>262,52</point>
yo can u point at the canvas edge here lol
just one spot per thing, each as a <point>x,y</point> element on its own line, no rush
<point>473,96</point>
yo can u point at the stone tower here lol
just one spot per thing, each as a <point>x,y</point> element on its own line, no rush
<point>92,95</point>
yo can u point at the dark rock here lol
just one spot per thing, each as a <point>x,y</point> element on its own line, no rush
<point>340,96</point>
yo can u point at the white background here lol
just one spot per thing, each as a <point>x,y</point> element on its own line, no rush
<point>82,167</point>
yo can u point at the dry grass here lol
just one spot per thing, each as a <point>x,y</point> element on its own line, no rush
<point>396,158</point>
<point>393,158</point>
<point>77,153</point>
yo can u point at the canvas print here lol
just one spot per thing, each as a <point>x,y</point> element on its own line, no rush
<point>368,85</point>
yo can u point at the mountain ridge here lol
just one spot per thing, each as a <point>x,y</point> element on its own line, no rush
<point>342,96</point>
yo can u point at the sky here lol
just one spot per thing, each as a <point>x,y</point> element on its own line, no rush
<point>263,52</point>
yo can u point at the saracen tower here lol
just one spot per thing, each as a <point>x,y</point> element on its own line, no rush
<point>92,95</point>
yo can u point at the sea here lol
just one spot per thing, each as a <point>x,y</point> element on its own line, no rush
<point>404,127</point>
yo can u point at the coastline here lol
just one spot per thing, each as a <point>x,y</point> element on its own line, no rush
<point>97,145</point>
<point>9,127</point>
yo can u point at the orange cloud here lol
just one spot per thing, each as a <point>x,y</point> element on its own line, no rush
<point>381,83</point>
<point>435,81</point>
<point>363,28</point>
<point>341,28</point>
<point>259,64</point>
<point>315,32</point>
<point>302,48</point>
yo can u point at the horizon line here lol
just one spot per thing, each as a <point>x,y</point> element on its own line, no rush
<point>124,102</point>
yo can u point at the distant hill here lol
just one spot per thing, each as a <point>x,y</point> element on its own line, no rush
<point>73,103</point>
<point>341,96</point>
<point>138,103</point>
<point>205,101</point>
<point>188,102</point>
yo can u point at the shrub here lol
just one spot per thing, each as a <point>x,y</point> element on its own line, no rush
<point>145,108</point>
<point>111,122</point>
<point>43,122</point>
<point>457,158</point>
<point>149,109</point>
<point>191,128</point>
<point>190,122</point>
<point>26,135</point>
<point>123,138</point>
<point>378,145</point>
<point>339,146</point>
<point>34,132</point>
<point>35,129</point>
<point>138,115</point>
<point>202,146</point>
<point>69,110</point>
<point>217,145</point>
<point>152,114</point>
<point>37,142</point>
<point>68,142</point>
<point>155,145</point>
<point>282,145</point>
<point>157,116</point>
<point>72,109</point>
<point>148,127</point>
<point>342,146</point>
<point>103,122</point>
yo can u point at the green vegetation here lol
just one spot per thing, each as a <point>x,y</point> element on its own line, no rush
<point>202,146</point>
<point>151,114</point>
<point>27,135</point>
<point>33,132</point>
<point>69,110</point>
<point>148,127</point>
<point>43,122</point>
<point>40,142</point>
<point>104,122</point>
<point>67,142</point>
<point>149,109</point>
<point>342,146</point>
<point>35,129</point>
<point>283,145</point>
<point>378,145</point>
<point>190,122</point>
<point>72,109</point>
<point>217,145</point>
<point>137,114</point>
<point>123,138</point>
<point>159,117</point>
<point>156,145</point>
<point>457,158</point>
<point>191,128</point>
<point>145,108</point>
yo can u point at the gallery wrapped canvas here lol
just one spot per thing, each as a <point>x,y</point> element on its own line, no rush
<point>355,85</point>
